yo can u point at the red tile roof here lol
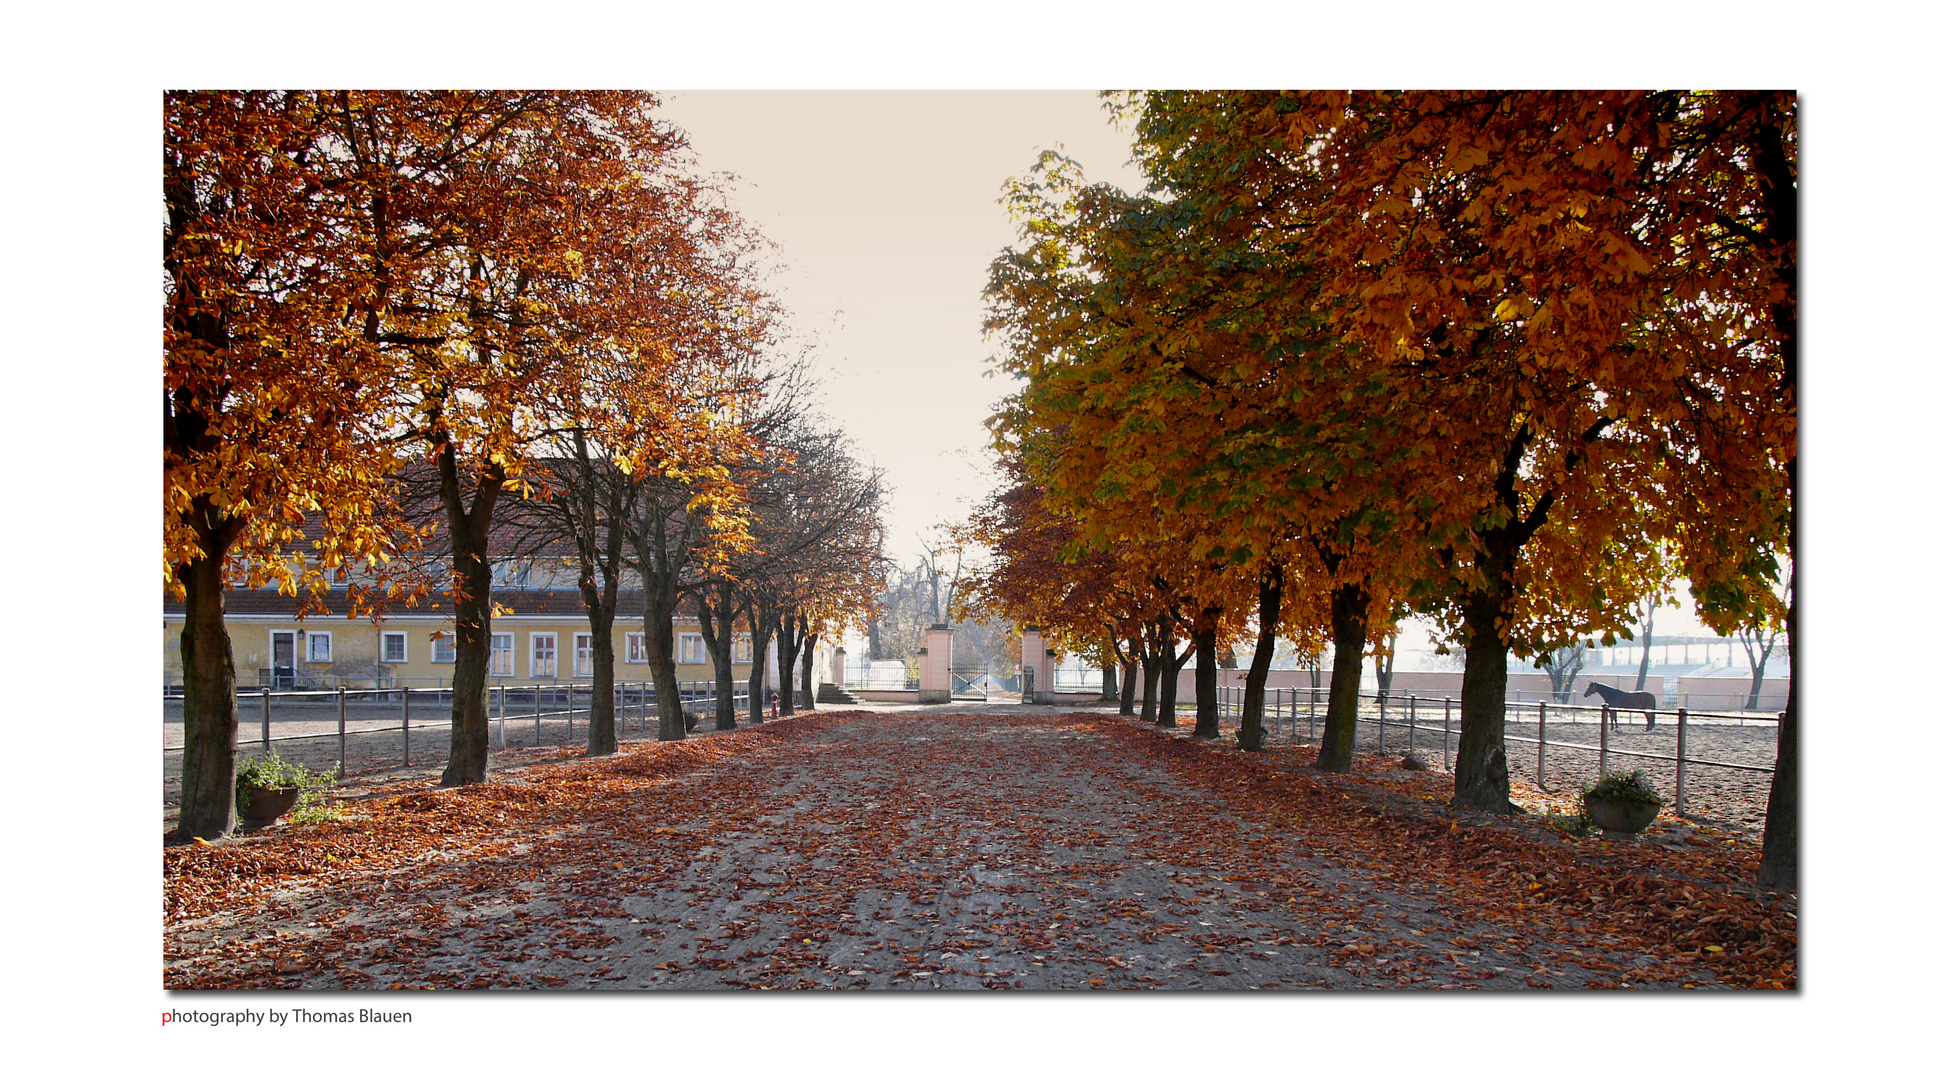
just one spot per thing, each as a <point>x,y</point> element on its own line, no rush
<point>517,601</point>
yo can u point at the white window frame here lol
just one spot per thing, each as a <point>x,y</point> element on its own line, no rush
<point>743,649</point>
<point>311,636</point>
<point>394,646</point>
<point>636,648</point>
<point>544,636</point>
<point>437,642</point>
<point>692,645</point>
<point>582,655</point>
<point>503,647</point>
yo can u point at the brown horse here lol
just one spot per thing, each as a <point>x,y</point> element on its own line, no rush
<point>1623,699</point>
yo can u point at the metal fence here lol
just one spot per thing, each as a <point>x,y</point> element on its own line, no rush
<point>355,732</point>
<point>1406,722</point>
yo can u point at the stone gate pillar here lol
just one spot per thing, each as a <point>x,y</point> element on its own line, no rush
<point>936,666</point>
<point>837,667</point>
<point>1037,668</point>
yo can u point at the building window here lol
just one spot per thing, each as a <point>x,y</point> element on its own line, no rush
<point>442,647</point>
<point>319,648</point>
<point>503,654</point>
<point>544,656</point>
<point>394,647</point>
<point>582,655</point>
<point>693,650</point>
<point>636,648</point>
<point>744,649</point>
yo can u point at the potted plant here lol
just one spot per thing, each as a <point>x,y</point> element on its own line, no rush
<point>268,787</point>
<point>1622,803</point>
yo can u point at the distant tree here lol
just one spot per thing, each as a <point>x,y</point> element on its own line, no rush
<point>1564,665</point>
<point>1646,640</point>
<point>1760,642</point>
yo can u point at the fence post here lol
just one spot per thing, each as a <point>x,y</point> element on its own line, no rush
<point>340,769</point>
<point>1541,746</point>
<point>501,694</point>
<point>537,714</point>
<point>265,721</point>
<point>404,727</point>
<point>643,707</point>
<point>1381,724</point>
<point>1605,714</point>
<point>1412,723</point>
<point>1293,723</point>
<point>1681,765</point>
<point>1446,733</point>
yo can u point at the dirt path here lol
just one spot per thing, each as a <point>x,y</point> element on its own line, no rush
<point>1015,848</point>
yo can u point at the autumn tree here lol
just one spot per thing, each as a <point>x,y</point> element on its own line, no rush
<point>270,398</point>
<point>819,562</point>
<point>1191,402</point>
<point>1515,262</point>
<point>474,215</point>
<point>669,324</point>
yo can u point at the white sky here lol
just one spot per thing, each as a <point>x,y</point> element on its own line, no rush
<point>884,205</point>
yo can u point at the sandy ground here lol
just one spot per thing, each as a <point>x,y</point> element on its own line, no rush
<point>897,848</point>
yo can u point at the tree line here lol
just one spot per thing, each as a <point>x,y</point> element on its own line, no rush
<point>392,316</point>
<point>1509,360</point>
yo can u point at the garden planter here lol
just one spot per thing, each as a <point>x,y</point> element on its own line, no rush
<point>260,806</point>
<point>1619,816</point>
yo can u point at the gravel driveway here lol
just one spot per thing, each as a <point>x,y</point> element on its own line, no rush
<point>1015,848</point>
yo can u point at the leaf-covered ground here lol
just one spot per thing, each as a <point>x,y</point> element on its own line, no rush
<point>1002,849</point>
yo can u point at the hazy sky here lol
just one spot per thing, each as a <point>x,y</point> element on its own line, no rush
<point>885,207</point>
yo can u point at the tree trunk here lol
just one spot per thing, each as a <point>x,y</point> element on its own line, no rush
<point>658,580</point>
<point>602,733</point>
<point>1778,175</point>
<point>717,619</point>
<point>469,556</point>
<point>1167,671</point>
<point>1646,646</point>
<point>1483,775</point>
<point>761,632</point>
<point>210,702</point>
<point>788,646</point>
<point>1779,866</point>
<point>1350,626</point>
<point>1109,682</point>
<point>658,625</point>
<point>1204,642</point>
<point>1127,698</point>
<point>1385,669</point>
<point>1150,663</point>
<point>1756,669</point>
<point>809,667</point>
<point>601,608</point>
<point>1252,721</point>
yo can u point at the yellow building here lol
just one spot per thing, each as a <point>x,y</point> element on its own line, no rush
<point>544,638</point>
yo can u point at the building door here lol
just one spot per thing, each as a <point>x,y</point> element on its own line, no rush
<point>285,648</point>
